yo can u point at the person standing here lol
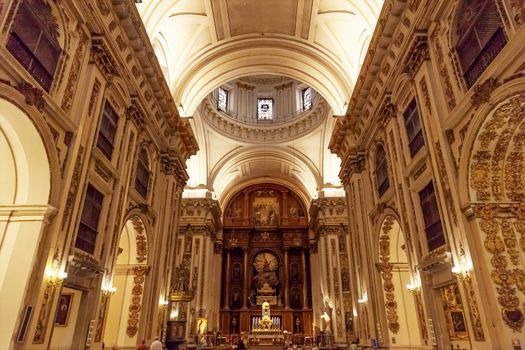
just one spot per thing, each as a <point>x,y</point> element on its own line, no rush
<point>354,344</point>
<point>156,345</point>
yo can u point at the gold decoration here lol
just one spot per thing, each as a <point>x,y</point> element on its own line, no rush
<point>94,96</point>
<point>483,91</point>
<point>102,58</point>
<point>136,297</point>
<point>74,72</point>
<point>417,54</point>
<point>386,274</point>
<point>33,96</point>
<point>443,71</point>
<point>140,239</point>
<point>453,307</point>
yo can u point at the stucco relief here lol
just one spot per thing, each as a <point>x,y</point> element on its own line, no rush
<point>497,180</point>
<point>518,9</point>
<point>386,274</point>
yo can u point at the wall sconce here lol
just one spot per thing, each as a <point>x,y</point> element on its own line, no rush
<point>163,303</point>
<point>415,286</point>
<point>54,275</point>
<point>107,287</point>
<point>363,299</point>
<point>462,269</point>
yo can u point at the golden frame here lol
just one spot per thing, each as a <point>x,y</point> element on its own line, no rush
<point>63,309</point>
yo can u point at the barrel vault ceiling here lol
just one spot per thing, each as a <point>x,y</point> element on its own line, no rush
<point>202,44</point>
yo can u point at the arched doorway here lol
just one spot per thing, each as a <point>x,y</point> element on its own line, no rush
<point>25,185</point>
<point>401,311</point>
<point>129,274</point>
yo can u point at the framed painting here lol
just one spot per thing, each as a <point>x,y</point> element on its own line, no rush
<point>64,304</point>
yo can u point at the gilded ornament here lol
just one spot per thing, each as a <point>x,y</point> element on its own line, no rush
<point>386,274</point>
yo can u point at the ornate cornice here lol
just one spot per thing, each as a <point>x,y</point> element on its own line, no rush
<point>102,57</point>
<point>417,54</point>
<point>254,133</point>
<point>171,164</point>
<point>201,211</point>
<point>327,214</point>
<point>353,164</point>
<point>387,111</point>
<point>135,113</point>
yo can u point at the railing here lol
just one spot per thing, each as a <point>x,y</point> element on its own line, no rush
<point>485,57</point>
<point>30,62</point>
<point>253,120</point>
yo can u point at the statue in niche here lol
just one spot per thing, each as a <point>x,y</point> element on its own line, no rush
<point>236,273</point>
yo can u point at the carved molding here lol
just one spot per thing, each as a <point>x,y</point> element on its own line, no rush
<point>74,72</point>
<point>483,91</point>
<point>101,56</point>
<point>417,54</point>
<point>135,113</point>
<point>387,111</point>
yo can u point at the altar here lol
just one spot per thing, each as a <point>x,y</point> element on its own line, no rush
<point>266,329</point>
<point>269,337</point>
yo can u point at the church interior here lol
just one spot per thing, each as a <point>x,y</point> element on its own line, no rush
<point>277,174</point>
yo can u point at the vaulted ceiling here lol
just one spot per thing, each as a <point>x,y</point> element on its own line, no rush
<point>203,44</point>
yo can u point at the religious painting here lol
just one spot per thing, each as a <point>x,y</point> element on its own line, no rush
<point>64,304</point>
<point>453,307</point>
<point>265,211</point>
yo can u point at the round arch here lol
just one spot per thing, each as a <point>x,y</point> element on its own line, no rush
<point>395,275</point>
<point>500,99</point>
<point>302,173</point>
<point>255,55</point>
<point>491,184</point>
<point>129,274</point>
<point>25,184</point>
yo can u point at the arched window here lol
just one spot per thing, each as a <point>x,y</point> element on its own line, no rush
<point>381,171</point>
<point>142,174</point>
<point>478,37</point>
<point>33,40</point>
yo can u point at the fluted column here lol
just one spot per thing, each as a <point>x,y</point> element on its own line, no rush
<point>285,274</point>
<point>245,279</point>
<point>305,281</point>
<point>226,301</point>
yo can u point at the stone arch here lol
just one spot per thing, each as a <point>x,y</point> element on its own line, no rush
<point>129,276</point>
<point>25,208</point>
<point>396,274</point>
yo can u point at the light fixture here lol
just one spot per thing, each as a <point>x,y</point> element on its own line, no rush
<point>414,287</point>
<point>55,276</point>
<point>107,287</point>
<point>462,267</point>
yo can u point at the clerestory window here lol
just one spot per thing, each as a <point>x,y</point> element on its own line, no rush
<point>265,109</point>
<point>33,41</point>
